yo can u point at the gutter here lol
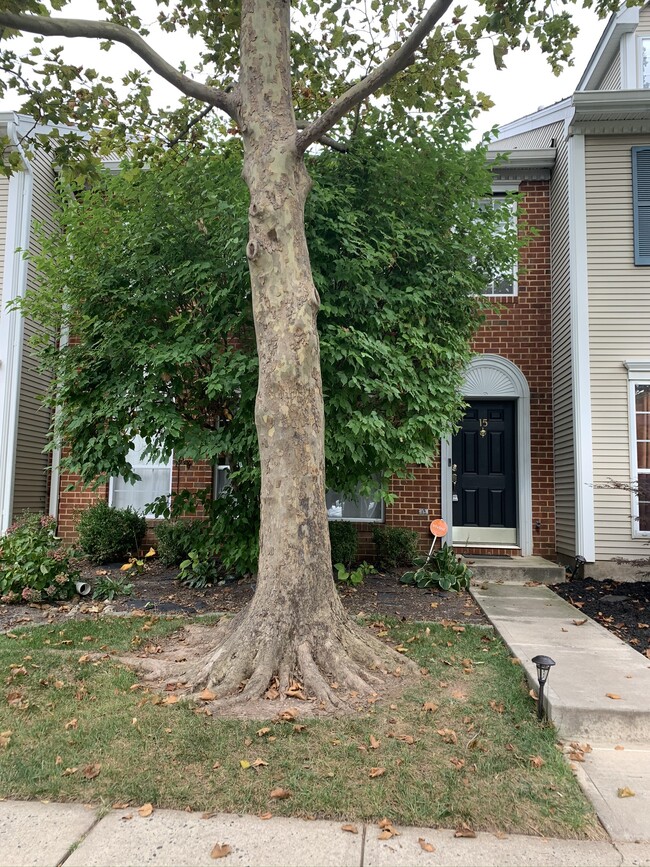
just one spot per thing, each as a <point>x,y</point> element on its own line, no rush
<point>19,212</point>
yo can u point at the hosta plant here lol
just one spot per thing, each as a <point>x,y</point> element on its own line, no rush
<point>443,568</point>
<point>34,565</point>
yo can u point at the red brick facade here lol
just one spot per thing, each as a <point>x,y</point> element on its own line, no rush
<point>520,331</point>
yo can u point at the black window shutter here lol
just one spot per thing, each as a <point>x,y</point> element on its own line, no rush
<point>641,199</point>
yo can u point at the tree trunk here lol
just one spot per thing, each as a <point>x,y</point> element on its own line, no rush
<point>295,629</point>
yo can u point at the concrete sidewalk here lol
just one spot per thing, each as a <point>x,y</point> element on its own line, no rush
<point>598,692</point>
<point>47,835</point>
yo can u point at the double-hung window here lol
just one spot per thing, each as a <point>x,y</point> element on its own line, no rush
<point>644,61</point>
<point>155,481</point>
<point>504,284</point>
<point>639,378</point>
<point>641,204</point>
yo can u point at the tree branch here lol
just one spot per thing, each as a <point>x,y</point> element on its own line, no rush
<point>394,63</point>
<point>74,27</point>
<point>326,140</point>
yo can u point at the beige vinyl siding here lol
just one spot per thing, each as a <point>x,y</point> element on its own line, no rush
<point>31,476</point>
<point>562,372</point>
<point>619,329</point>
<point>535,138</point>
<point>612,78</point>
<point>644,20</point>
<point>4,203</point>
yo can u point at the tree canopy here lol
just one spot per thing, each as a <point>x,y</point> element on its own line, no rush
<point>149,275</point>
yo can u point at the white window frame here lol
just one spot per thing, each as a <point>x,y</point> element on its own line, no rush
<point>497,196</point>
<point>143,465</point>
<point>638,373</point>
<point>379,520</point>
<point>645,37</point>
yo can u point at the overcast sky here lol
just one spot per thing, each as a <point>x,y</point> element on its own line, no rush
<point>521,88</point>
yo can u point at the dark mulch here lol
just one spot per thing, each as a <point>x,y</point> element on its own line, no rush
<point>158,591</point>
<point>622,607</point>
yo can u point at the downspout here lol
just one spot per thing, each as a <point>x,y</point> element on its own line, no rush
<point>19,209</point>
<point>55,468</point>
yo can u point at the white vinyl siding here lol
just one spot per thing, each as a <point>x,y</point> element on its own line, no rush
<point>4,202</point>
<point>535,138</point>
<point>612,78</point>
<point>155,481</point>
<point>31,481</point>
<point>619,325</point>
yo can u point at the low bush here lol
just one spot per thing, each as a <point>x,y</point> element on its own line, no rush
<point>343,539</point>
<point>107,534</point>
<point>34,565</point>
<point>396,546</point>
<point>177,538</point>
<point>443,569</point>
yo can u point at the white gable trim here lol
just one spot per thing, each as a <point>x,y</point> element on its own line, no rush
<point>622,22</point>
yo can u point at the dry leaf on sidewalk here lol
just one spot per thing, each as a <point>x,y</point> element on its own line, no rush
<point>146,810</point>
<point>220,850</point>
<point>352,829</point>
<point>427,847</point>
<point>626,792</point>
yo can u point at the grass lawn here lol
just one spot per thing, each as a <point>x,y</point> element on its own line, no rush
<point>477,755</point>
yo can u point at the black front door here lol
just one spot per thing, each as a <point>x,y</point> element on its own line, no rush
<point>484,485</point>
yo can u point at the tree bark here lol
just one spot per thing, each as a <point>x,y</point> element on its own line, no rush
<point>295,629</point>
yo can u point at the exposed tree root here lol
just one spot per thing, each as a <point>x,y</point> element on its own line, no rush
<point>257,665</point>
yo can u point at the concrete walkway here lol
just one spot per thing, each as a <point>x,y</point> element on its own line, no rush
<point>597,693</point>
<point>47,835</point>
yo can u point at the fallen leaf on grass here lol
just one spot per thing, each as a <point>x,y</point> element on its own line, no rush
<point>69,772</point>
<point>259,763</point>
<point>146,810</point>
<point>261,732</point>
<point>288,715</point>
<point>220,851</point>
<point>207,695</point>
<point>457,763</point>
<point>536,761</point>
<point>533,694</point>
<point>5,739</point>
<point>280,794</point>
<point>499,708</point>
<point>449,736</point>
<point>464,831</point>
<point>613,696</point>
<point>208,815</point>
<point>352,829</point>
<point>625,792</point>
<point>297,728</point>
<point>170,699</point>
<point>58,760</point>
<point>91,771</point>
<point>576,756</point>
<point>266,816</point>
<point>427,847</point>
<point>118,805</point>
<point>71,724</point>
<point>248,742</point>
<point>376,772</point>
<point>245,764</point>
<point>429,707</point>
<point>374,743</point>
<point>407,739</point>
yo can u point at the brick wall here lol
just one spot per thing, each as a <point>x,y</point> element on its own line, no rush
<point>186,475</point>
<point>521,332</point>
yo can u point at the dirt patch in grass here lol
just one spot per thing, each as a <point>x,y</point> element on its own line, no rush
<point>621,607</point>
<point>83,729</point>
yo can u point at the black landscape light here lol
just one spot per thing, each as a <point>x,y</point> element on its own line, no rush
<point>543,664</point>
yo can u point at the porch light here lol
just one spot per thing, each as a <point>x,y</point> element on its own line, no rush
<point>543,664</point>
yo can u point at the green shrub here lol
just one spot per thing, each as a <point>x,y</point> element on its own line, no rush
<point>343,539</point>
<point>396,546</point>
<point>108,588</point>
<point>357,576</point>
<point>177,538</point>
<point>34,565</point>
<point>200,569</point>
<point>107,534</point>
<point>443,569</point>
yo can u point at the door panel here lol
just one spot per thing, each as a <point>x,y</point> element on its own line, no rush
<point>484,472</point>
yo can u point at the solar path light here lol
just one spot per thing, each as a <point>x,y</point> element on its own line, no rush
<point>543,664</point>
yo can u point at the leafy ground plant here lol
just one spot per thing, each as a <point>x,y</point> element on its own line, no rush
<point>356,576</point>
<point>433,756</point>
<point>443,568</point>
<point>108,588</point>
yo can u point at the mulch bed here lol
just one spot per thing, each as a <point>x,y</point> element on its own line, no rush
<point>621,607</point>
<point>158,591</point>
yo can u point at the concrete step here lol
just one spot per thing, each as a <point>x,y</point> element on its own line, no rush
<point>590,663</point>
<point>517,570</point>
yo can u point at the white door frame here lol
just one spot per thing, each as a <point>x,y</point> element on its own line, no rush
<point>492,376</point>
